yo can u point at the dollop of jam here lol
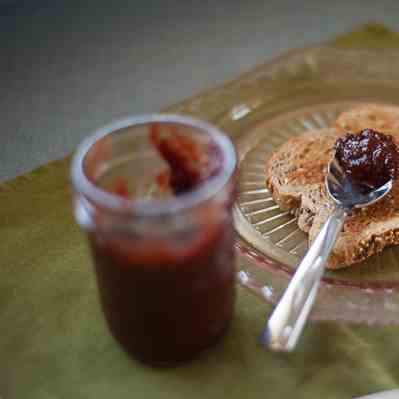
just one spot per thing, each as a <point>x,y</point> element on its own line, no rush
<point>369,158</point>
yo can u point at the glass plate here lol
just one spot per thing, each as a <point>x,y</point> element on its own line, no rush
<point>302,90</point>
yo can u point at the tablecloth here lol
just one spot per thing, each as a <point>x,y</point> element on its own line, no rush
<point>54,342</point>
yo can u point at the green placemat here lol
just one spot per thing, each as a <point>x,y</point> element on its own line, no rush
<point>54,342</point>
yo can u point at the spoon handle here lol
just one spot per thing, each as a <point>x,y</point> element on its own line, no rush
<point>286,323</point>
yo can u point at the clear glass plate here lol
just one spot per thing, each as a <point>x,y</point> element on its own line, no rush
<point>302,90</point>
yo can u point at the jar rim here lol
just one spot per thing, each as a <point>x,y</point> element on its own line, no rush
<point>152,206</point>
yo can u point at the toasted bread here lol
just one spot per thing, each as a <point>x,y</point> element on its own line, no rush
<point>295,176</point>
<point>383,118</point>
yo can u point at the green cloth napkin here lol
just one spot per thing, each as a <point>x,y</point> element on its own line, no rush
<point>54,342</point>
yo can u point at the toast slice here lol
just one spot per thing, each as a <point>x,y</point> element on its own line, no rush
<point>383,118</point>
<point>295,176</point>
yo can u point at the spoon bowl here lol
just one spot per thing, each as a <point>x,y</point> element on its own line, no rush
<point>348,195</point>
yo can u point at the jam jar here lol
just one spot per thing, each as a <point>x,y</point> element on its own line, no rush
<point>162,251</point>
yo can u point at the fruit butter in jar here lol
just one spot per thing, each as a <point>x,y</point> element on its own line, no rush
<point>155,194</point>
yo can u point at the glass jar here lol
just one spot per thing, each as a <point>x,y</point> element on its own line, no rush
<point>164,263</point>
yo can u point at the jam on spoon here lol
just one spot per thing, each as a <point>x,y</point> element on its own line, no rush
<point>369,158</point>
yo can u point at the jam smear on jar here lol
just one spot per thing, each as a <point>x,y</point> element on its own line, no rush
<point>190,163</point>
<point>369,158</point>
<point>120,187</point>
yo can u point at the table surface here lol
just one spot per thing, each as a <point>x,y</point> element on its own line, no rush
<point>69,67</point>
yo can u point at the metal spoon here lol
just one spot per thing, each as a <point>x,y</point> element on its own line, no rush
<point>286,323</point>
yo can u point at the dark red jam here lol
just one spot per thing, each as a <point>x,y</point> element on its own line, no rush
<point>165,304</point>
<point>190,163</point>
<point>166,298</point>
<point>369,158</point>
